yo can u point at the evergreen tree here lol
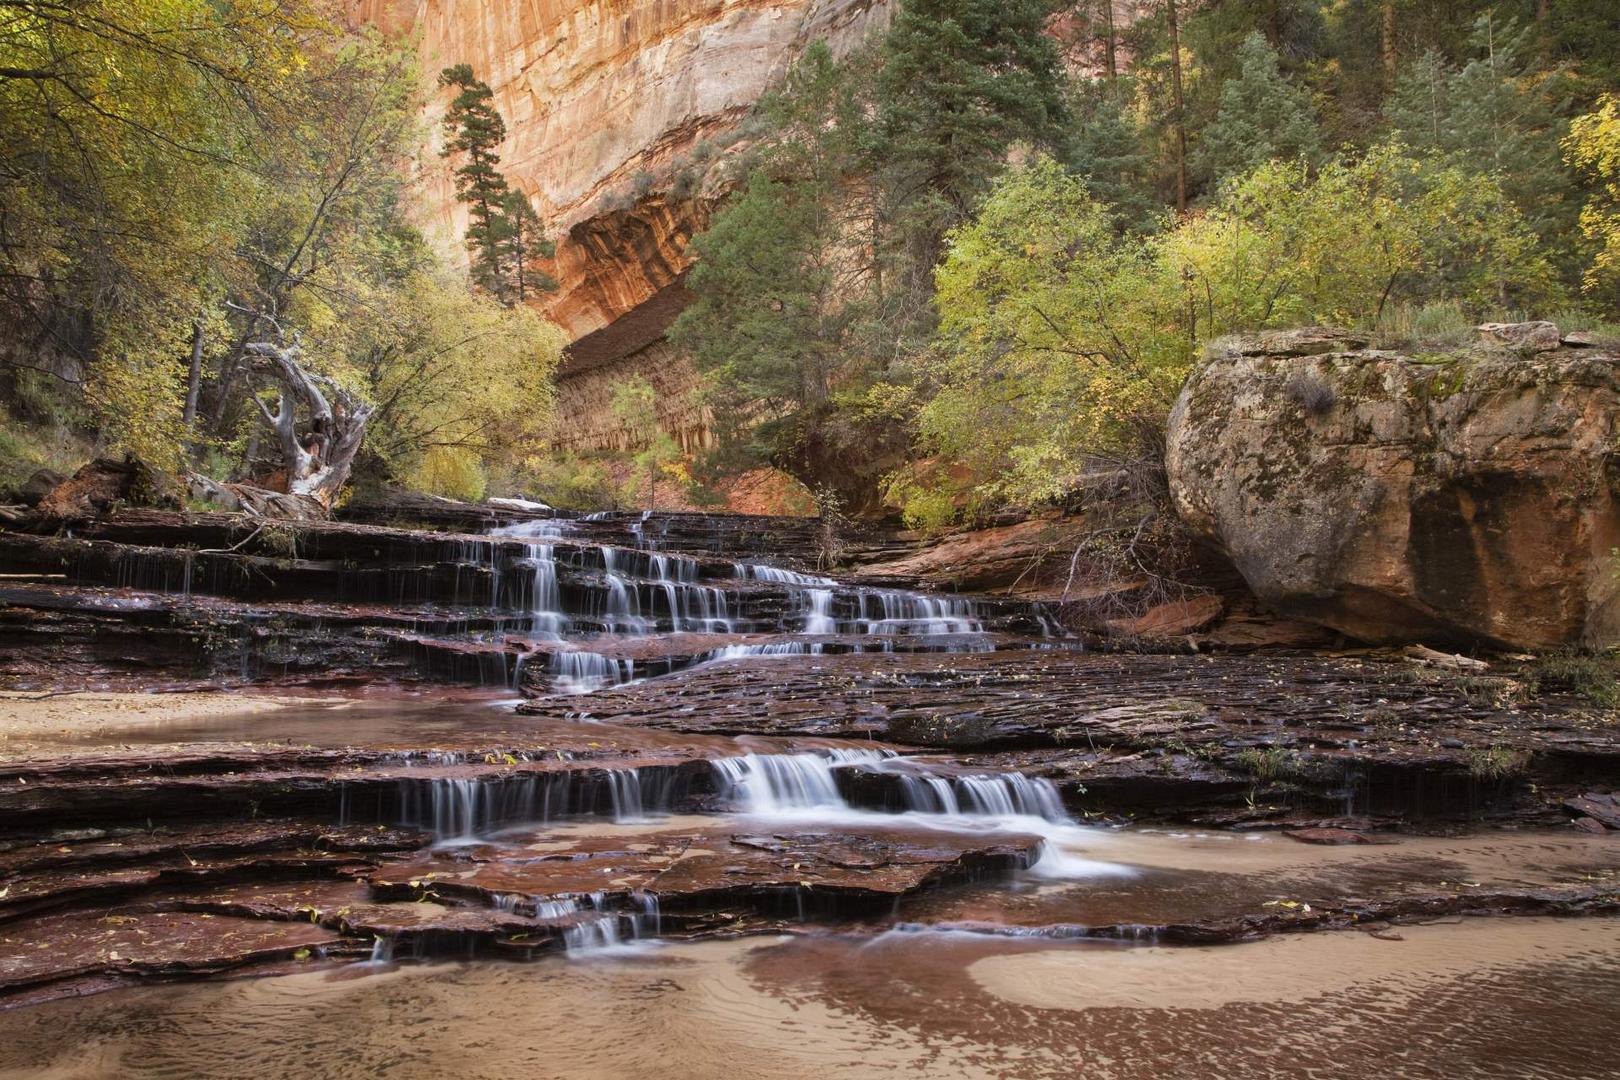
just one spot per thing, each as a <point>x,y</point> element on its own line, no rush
<point>1262,117</point>
<point>962,80</point>
<point>519,241</point>
<point>782,293</point>
<point>1109,150</point>
<point>474,128</point>
<point>1492,116</point>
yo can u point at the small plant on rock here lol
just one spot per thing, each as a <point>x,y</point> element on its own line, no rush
<point>1495,763</point>
<point>1268,764</point>
<point>1593,677</point>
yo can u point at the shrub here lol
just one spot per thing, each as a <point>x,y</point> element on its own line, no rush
<point>574,482</point>
<point>1266,765</point>
<point>452,471</point>
<point>1496,762</point>
<point>1588,676</point>
<point>1439,325</point>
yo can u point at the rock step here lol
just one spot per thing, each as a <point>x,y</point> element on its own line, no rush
<point>1217,739</point>
<point>495,576</point>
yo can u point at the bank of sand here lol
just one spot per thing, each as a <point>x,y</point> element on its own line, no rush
<point>31,722</point>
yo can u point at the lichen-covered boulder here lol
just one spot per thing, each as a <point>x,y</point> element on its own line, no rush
<point>1470,496</point>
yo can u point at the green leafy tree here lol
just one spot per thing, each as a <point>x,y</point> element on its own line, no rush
<point>635,406</point>
<point>1061,345</point>
<point>463,385</point>
<point>1282,246</point>
<point>1593,147</point>
<point>129,134</point>
<point>1058,343</point>
<point>1262,116</point>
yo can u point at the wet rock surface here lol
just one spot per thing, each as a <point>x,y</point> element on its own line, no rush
<point>1239,738</point>
<point>541,604</point>
<point>711,746</point>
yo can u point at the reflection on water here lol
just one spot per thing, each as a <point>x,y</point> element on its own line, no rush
<point>1535,998</point>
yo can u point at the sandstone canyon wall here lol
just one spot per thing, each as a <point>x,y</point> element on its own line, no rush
<point>618,113</point>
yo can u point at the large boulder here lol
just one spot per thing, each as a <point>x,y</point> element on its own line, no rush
<point>1468,497</point>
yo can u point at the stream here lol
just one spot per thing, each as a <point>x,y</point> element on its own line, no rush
<point>712,805</point>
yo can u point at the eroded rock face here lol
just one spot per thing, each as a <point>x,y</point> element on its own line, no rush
<point>1468,497</point>
<point>594,95</point>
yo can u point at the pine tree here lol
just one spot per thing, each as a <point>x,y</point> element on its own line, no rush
<point>474,128</point>
<point>1491,116</point>
<point>520,240</point>
<point>962,80</point>
<point>1262,117</point>
<point>1112,154</point>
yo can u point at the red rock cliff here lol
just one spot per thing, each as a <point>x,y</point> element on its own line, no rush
<point>605,102</point>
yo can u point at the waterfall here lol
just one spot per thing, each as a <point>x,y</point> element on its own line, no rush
<point>590,922</point>
<point>769,648</point>
<point>888,611</point>
<point>642,591</point>
<point>999,795</point>
<point>768,784</point>
<point>545,608</point>
<point>579,671</point>
<point>460,810</point>
<point>771,783</point>
<point>819,620</point>
<point>758,572</point>
<point>463,810</point>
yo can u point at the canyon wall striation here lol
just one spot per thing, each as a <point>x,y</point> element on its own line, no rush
<point>620,116</point>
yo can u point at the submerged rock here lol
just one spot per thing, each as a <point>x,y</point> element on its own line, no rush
<point>1469,497</point>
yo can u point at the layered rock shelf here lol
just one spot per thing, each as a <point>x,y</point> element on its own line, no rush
<point>712,737</point>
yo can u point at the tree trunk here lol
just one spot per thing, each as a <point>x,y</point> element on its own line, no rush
<point>1386,42</point>
<point>317,462</point>
<point>1180,114</point>
<point>193,377</point>
<point>1108,40</point>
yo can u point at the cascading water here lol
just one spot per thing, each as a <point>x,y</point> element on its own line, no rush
<point>759,572</point>
<point>819,619</point>
<point>642,591</point>
<point>464,810</point>
<point>804,788</point>
<point>767,784</point>
<point>578,671</point>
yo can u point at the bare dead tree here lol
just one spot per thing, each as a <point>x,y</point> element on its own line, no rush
<point>318,453</point>
<point>318,460</point>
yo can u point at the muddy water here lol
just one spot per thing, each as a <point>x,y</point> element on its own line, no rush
<point>1521,998</point>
